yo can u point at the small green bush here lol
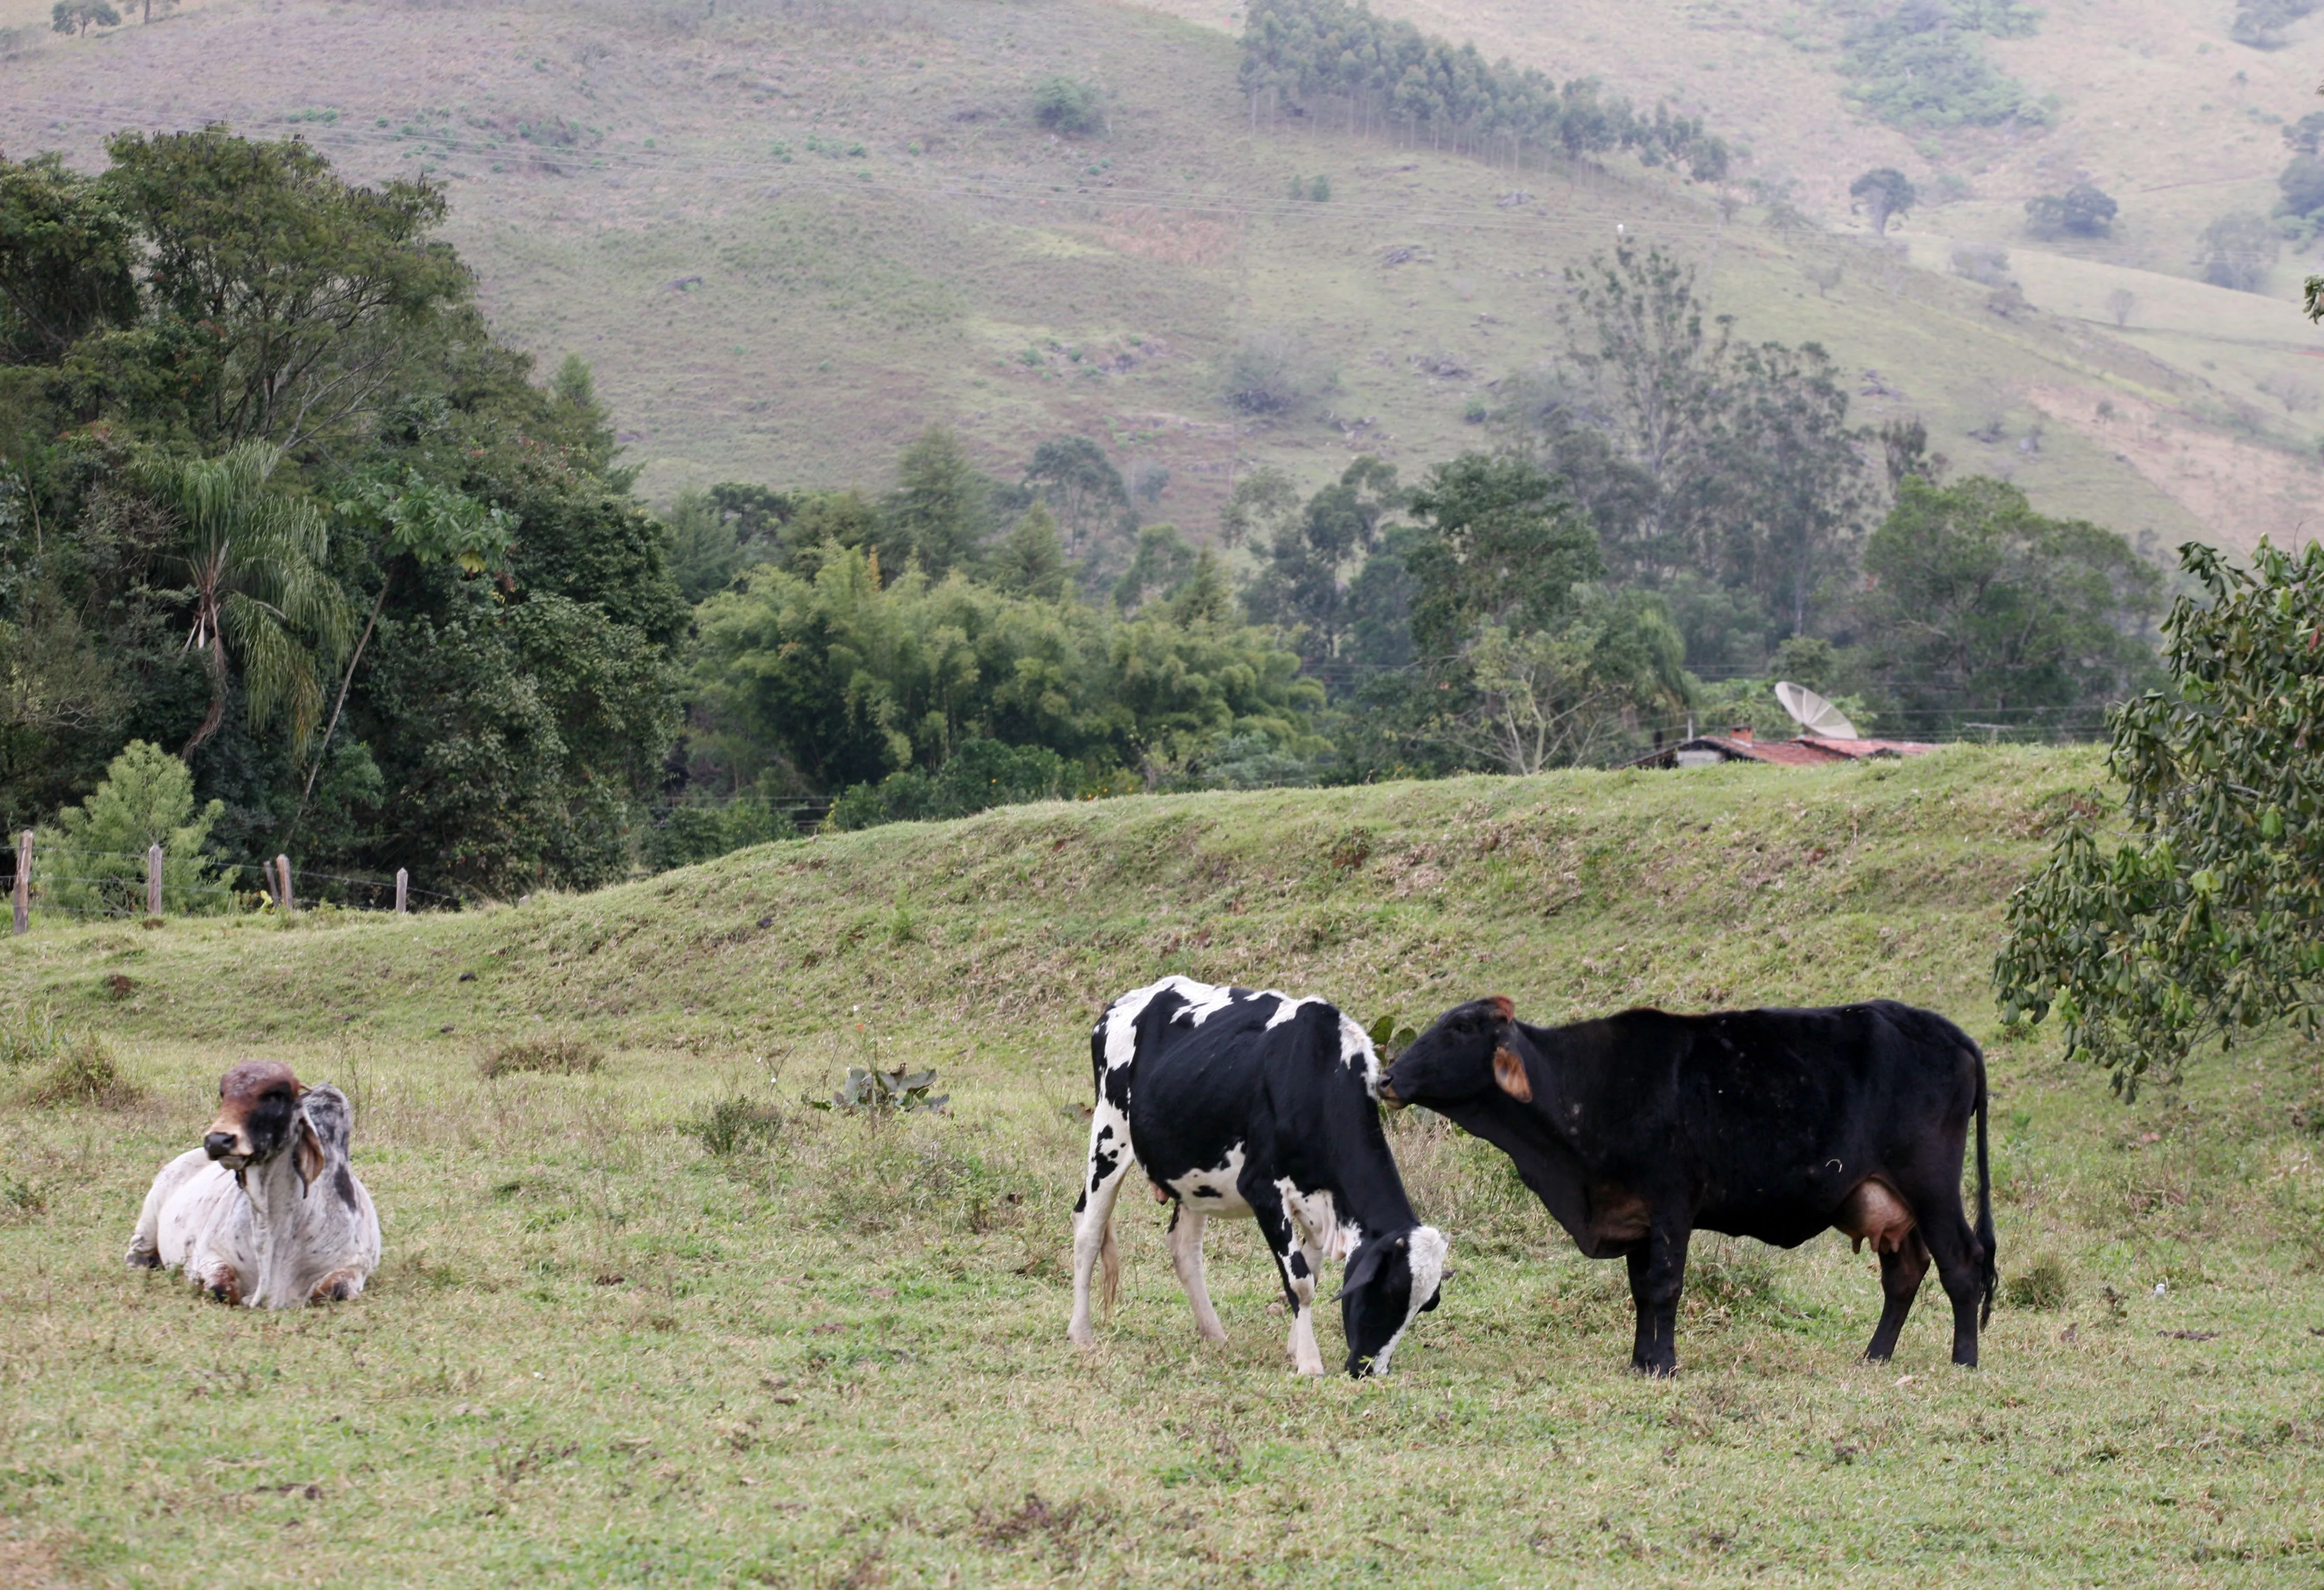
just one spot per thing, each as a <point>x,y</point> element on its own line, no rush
<point>1066,105</point>
<point>734,1125</point>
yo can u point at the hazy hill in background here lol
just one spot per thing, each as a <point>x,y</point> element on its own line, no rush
<point>788,234</point>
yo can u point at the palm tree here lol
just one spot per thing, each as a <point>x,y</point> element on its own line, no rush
<point>261,601</point>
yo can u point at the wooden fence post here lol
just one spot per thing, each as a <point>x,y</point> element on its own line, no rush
<point>153,882</point>
<point>25,881</point>
<point>403,891</point>
<point>282,883</point>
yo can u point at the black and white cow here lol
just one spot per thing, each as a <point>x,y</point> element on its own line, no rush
<point>1638,1129</point>
<point>1259,1106</point>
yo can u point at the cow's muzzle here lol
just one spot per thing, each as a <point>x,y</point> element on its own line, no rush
<point>1388,1095</point>
<point>226,1147</point>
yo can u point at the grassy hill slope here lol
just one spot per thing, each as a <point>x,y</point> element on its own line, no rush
<point>788,234</point>
<point>656,1323</point>
<point>1571,893</point>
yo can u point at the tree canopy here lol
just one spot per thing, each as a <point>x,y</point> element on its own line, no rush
<point>2199,914</point>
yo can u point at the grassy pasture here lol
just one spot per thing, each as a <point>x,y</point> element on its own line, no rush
<point>614,1341</point>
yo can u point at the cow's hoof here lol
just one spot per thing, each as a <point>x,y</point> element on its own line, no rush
<point>1082,1339</point>
<point>139,1261</point>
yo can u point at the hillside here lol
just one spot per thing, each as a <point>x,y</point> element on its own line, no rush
<point>790,234</point>
<point>657,1323</point>
<point>1571,893</point>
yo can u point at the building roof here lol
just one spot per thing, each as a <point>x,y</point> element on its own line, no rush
<point>1807,751</point>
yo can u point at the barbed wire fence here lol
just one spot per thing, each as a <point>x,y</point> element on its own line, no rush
<point>123,885</point>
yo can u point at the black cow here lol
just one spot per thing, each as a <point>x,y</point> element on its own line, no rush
<point>1772,1124</point>
<point>1255,1105</point>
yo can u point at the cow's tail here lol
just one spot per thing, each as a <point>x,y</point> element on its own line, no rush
<point>1992,1276</point>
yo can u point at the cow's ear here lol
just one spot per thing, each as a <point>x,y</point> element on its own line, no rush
<point>307,1155</point>
<point>1509,1072</point>
<point>1362,1267</point>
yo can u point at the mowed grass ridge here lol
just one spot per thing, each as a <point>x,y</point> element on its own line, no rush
<point>616,1341</point>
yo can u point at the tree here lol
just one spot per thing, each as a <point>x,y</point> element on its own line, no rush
<point>96,852</point>
<point>2084,210</point>
<point>1783,488</point>
<point>1309,558</point>
<point>2237,251</point>
<point>1504,545</point>
<point>1030,561</point>
<point>1981,610</point>
<point>1556,696</point>
<point>427,523</point>
<point>68,259</point>
<point>288,304</point>
<point>2207,921</point>
<point>261,605</point>
<point>703,550</point>
<point>1081,485</point>
<point>2260,23</point>
<point>78,16</point>
<point>1162,565</point>
<point>1635,330</point>
<point>2302,182</point>
<point>940,511</point>
<point>1263,501</point>
<point>1882,193</point>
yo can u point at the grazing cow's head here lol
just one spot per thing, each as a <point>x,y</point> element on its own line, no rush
<point>259,1116</point>
<point>1392,1281</point>
<point>1469,1048</point>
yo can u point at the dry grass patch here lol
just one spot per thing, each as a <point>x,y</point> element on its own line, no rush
<point>562,1055</point>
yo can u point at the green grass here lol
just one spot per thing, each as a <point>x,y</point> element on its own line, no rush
<point>662,1323</point>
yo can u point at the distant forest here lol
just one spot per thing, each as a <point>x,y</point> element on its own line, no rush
<point>292,544</point>
<point>1391,76</point>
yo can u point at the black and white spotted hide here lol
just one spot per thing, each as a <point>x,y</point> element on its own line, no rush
<point>1261,1106</point>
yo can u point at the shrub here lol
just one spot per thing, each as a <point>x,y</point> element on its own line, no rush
<point>1066,105</point>
<point>85,1074</point>
<point>699,830</point>
<point>890,1092</point>
<point>2042,1285</point>
<point>1274,373</point>
<point>561,1056</point>
<point>734,1125</point>
<point>980,775</point>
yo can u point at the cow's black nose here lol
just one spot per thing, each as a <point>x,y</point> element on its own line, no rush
<point>218,1145</point>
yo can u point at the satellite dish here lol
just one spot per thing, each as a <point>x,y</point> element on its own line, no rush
<point>1814,714</point>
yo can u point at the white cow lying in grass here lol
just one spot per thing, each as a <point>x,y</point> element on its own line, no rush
<point>267,1212</point>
